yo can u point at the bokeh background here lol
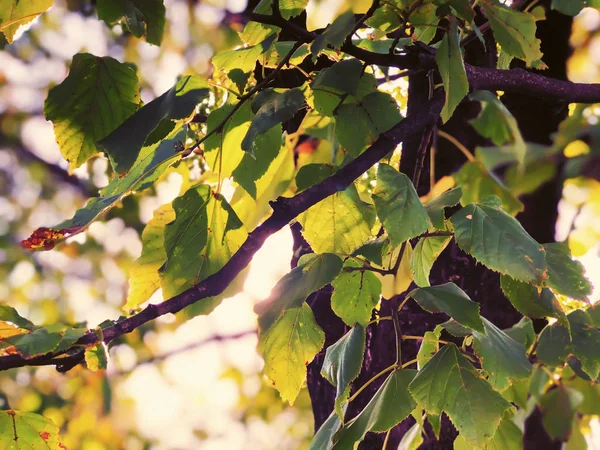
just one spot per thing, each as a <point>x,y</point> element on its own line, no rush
<point>172,384</point>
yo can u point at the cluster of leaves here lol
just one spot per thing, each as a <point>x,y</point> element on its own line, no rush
<point>370,243</point>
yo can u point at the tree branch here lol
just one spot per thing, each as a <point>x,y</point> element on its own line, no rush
<point>284,210</point>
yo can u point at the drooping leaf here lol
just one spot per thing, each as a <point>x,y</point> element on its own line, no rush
<point>14,13</point>
<point>391,404</point>
<point>502,358</point>
<point>150,165</point>
<point>10,314</point>
<point>124,144</point>
<point>312,273</point>
<point>26,430</point>
<point>140,17</point>
<point>288,346</point>
<point>452,300</point>
<point>452,70</point>
<point>424,255</point>
<point>96,357</point>
<point>334,34</point>
<point>522,332</point>
<point>565,275</point>
<point>144,279</point>
<point>360,124</point>
<point>514,31</point>
<point>398,205</point>
<point>531,302</point>
<point>559,407</point>
<point>429,346</point>
<point>556,344</point>
<point>435,208</point>
<point>29,345</point>
<point>412,439</point>
<point>205,234</point>
<point>373,250</point>
<point>449,383</point>
<point>498,241</point>
<point>338,224</point>
<point>323,438</point>
<point>242,60</point>
<point>279,108</point>
<point>95,98</point>
<point>477,183</point>
<point>385,19</point>
<point>355,295</point>
<point>425,21</point>
<point>343,362</point>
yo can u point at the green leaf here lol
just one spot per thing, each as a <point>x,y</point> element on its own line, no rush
<point>412,439</point>
<point>338,224</point>
<point>9,314</point>
<point>435,208</point>
<point>358,125</point>
<point>502,358</point>
<point>452,70</point>
<point>522,332</point>
<point>565,275</point>
<point>373,250</point>
<point>451,300</point>
<point>26,430</point>
<point>312,273</point>
<point>385,19</point>
<point>449,383</point>
<point>150,165</point>
<point>508,437</point>
<point>323,439</point>
<point>477,183</point>
<point>498,241</point>
<point>342,78</point>
<point>559,407</point>
<point>140,17</point>
<point>288,347</point>
<point>390,405</point>
<point>556,344</point>
<point>342,364</point>
<point>96,357</point>
<point>425,21</point>
<point>462,8</point>
<point>334,34</point>
<point>153,121</point>
<point>95,98</point>
<point>429,346</point>
<point>569,7</point>
<point>455,328</point>
<point>514,31</point>
<point>311,174</point>
<point>205,234</point>
<point>288,8</point>
<point>495,121</point>
<point>242,60</point>
<point>398,205</point>
<point>279,108</point>
<point>14,13</point>
<point>531,302</point>
<point>223,149</point>
<point>355,295</point>
<point>144,279</point>
<point>30,345</point>
<point>251,169</point>
<point>424,255</point>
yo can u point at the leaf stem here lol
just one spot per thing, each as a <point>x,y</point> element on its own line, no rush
<point>423,338</point>
<point>373,378</point>
<point>379,319</point>
<point>457,144</point>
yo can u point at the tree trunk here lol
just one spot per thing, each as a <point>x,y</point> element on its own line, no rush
<point>537,121</point>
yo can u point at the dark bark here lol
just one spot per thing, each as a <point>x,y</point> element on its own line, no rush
<point>537,119</point>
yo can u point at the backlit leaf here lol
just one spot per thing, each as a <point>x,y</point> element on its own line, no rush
<point>565,275</point>
<point>398,205</point>
<point>26,430</point>
<point>449,383</point>
<point>140,17</point>
<point>96,357</point>
<point>559,407</point>
<point>498,241</point>
<point>95,98</point>
<point>343,362</point>
<point>334,34</point>
<point>14,13</point>
<point>153,121</point>
<point>288,346</point>
<point>424,255</point>
<point>323,439</point>
<point>355,295</point>
<point>435,208</point>
<point>150,165</point>
<point>452,70</point>
<point>205,234</point>
<point>429,346</point>
<point>312,273</point>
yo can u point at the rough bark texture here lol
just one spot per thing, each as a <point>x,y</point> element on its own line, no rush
<point>537,120</point>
